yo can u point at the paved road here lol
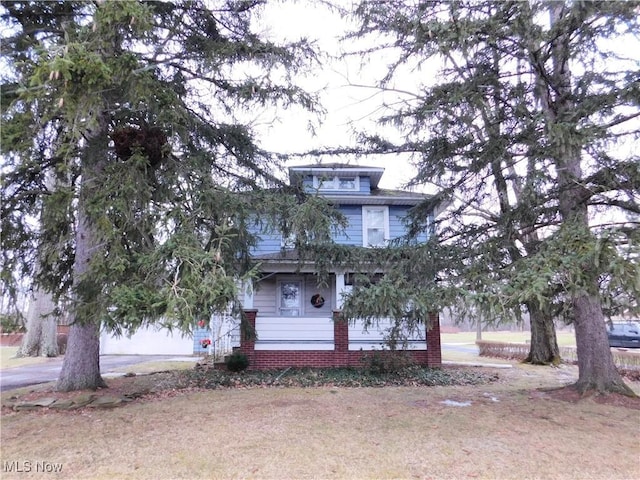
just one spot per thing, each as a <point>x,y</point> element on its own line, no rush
<point>48,371</point>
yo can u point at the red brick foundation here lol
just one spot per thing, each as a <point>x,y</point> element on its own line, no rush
<point>434,348</point>
<point>64,329</point>
<point>248,336</point>
<point>339,357</point>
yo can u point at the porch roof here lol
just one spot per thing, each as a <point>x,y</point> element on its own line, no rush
<point>378,196</point>
<point>287,261</point>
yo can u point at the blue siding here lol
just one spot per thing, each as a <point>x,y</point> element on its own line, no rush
<point>200,334</point>
<point>365,185</point>
<point>352,234</point>
<point>397,227</point>
<point>267,243</point>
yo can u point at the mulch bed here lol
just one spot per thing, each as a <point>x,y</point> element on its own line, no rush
<point>142,388</point>
<point>570,394</point>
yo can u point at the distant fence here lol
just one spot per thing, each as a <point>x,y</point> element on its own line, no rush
<point>624,359</point>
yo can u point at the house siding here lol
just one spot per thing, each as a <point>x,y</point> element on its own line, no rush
<point>351,235</point>
<point>374,337</point>
<point>340,355</point>
<point>396,224</point>
<point>318,337</point>
<point>265,295</point>
<point>294,333</point>
<point>335,351</point>
<point>365,185</point>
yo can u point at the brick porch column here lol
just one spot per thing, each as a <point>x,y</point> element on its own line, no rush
<point>434,349</point>
<point>248,335</point>
<point>340,339</point>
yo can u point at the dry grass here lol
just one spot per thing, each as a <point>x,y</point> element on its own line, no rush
<point>8,358</point>
<point>565,338</point>
<point>510,430</point>
<point>156,366</point>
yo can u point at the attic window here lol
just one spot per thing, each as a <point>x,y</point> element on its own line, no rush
<point>322,182</point>
<point>346,183</point>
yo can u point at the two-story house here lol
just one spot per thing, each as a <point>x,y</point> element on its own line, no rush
<point>297,322</point>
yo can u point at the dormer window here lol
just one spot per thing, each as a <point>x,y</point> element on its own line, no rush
<point>331,182</point>
<point>347,183</point>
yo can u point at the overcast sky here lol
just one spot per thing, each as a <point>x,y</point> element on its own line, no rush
<point>347,107</point>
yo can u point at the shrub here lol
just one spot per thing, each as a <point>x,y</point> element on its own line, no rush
<point>379,362</point>
<point>237,362</point>
<point>10,323</point>
<point>62,343</point>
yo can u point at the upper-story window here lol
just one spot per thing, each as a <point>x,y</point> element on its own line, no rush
<point>375,226</point>
<point>288,240</point>
<point>337,182</point>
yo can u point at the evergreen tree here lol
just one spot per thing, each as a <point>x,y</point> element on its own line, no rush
<point>519,115</point>
<point>136,109</point>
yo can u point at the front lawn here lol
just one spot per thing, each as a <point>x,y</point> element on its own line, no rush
<point>504,424</point>
<point>565,338</point>
<point>8,358</point>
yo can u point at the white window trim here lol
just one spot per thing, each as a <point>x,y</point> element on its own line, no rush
<point>300,281</point>
<point>288,242</point>
<point>332,183</point>
<point>365,234</point>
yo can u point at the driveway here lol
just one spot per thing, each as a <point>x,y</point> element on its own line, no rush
<point>48,371</point>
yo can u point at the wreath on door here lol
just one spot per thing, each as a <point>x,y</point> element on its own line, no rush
<point>317,300</point>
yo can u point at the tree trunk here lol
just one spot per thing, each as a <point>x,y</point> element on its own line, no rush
<point>41,336</point>
<point>81,365</point>
<point>544,344</point>
<point>597,371</point>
